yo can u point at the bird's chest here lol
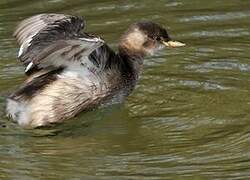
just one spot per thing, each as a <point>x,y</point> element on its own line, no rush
<point>83,68</point>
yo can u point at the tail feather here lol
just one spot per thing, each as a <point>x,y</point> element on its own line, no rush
<point>17,111</point>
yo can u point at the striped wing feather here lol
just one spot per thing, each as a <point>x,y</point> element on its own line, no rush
<point>50,38</point>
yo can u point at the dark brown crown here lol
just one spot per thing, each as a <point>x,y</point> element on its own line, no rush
<point>153,30</point>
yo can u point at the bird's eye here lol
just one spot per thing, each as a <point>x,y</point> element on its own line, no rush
<point>158,38</point>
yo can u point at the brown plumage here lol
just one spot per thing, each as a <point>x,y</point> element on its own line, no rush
<point>70,71</point>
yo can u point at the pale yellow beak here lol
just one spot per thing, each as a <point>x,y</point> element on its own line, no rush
<point>173,44</point>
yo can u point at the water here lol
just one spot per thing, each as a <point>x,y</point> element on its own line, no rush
<point>187,119</point>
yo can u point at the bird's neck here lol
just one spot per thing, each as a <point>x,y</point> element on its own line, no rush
<point>132,61</point>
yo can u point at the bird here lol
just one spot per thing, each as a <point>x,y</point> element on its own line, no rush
<point>70,70</point>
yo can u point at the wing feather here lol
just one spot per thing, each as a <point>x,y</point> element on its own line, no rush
<point>52,40</point>
<point>33,25</point>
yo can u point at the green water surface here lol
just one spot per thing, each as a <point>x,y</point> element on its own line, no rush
<point>188,118</point>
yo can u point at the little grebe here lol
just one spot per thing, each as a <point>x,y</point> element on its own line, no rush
<point>70,71</point>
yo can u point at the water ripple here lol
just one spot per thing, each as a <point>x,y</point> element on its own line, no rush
<point>218,17</point>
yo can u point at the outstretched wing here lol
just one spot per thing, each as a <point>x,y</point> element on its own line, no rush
<point>53,40</point>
